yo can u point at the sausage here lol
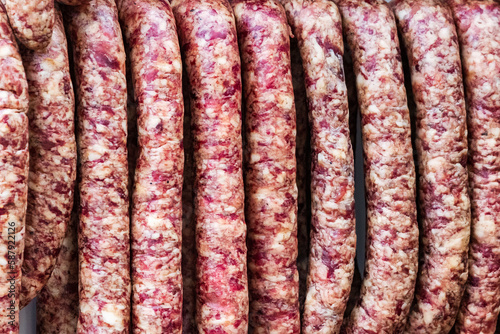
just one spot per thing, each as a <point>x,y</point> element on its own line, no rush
<point>188,222</point>
<point>208,39</point>
<point>57,303</point>
<point>302,155</point>
<point>392,231</point>
<point>14,173</point>
<point>433,52</point>
<point>478,27</point>
<point>104,258</point>
<point>156,66</point>
<point>32,21</point>
<point>52,162</point>
<point>318,28</point>
<point>270,166</point>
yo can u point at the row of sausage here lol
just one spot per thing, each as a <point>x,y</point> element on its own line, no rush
<point>218,221</point>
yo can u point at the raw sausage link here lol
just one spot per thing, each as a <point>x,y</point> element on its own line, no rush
<point>57,303</point>
<point>270,166</point>
<point>103,238</point>
<point>32,21</point>
<point>156,66</point>
<point>478,26</point>
<point>392,231</point>
<point>302,155</point>
<point>52,174</point>
<point>318,28</point>
<point>433,52</point>
<point>14,174</point>
<point>208,39</point>
<point>188,222</point>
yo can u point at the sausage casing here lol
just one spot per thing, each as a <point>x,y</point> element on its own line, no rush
<point>104,254</point>
<point>270,166</point>
<point>433,52</point>
<point>52,159</point>
<point>14,174</point>
<point>151,37</point>
<point>392,231</point>
<point>209,44</point>
<point>57,303</point>
<point>478,27</point>
<point>318,29</point>
<point>32,21</point>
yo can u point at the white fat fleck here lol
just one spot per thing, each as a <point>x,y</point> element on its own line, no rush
<point>386,145</point>
<point>282,236</point>
<point>93,28</point>
<point>318,54</point>
<point>495,131</point>
<point>154,222</point>
<point>177,64</point>
<point>169,45</point>
<point>445,33</point>
<point>428,315</point>
<point>221,60</point>
<point>453,262</point>
<point>321,85</point>
<point>165,67</point>
<point>5,51</point>
<point>285,101</point>
<point>372,108</point>
<point>94,156</point>
<point>153,121</point>
<point>254,157</point>
<point>10,177</point>
<point>112,317</point>
<point>210,112</point>
<point>485,228</point>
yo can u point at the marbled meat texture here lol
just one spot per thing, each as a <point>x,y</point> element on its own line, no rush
<point>104,254</point>
<point>156,65</point>
<point>14,174</point>
<point>32,21</point>
<point>318,28</point>
<point>209,44</point>
<point>52,172</point>
<point>478,27</point>
<point>270,166</point>
<point>392,231</point>
<point>431,43</point>
<point>57,303</point>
